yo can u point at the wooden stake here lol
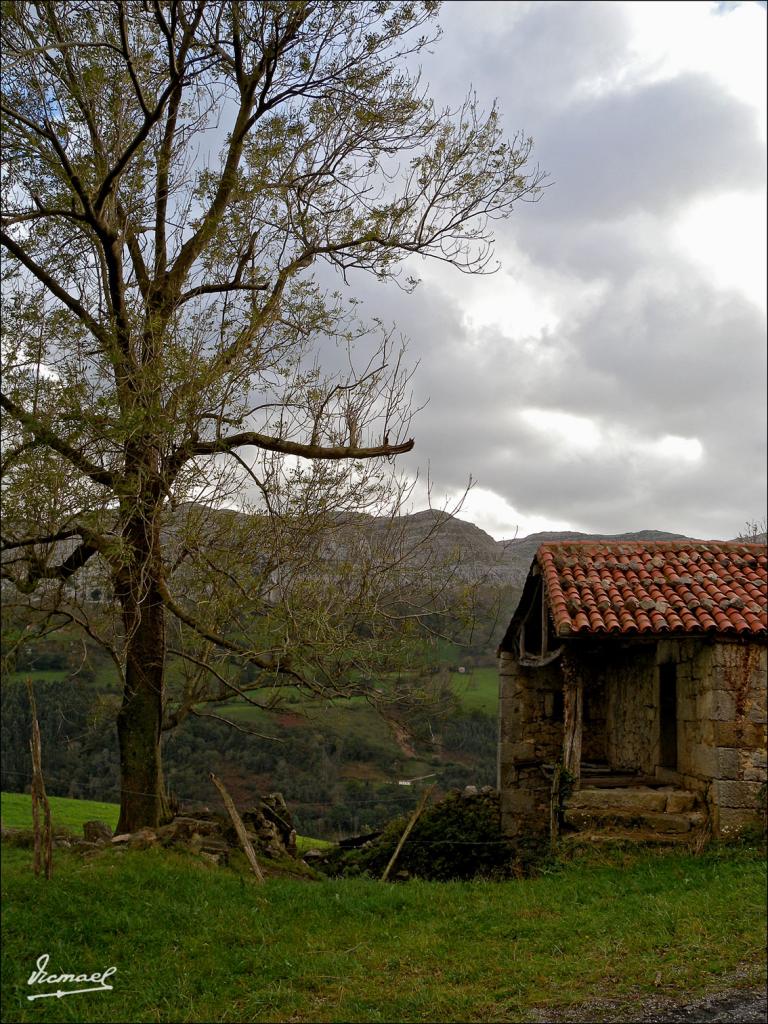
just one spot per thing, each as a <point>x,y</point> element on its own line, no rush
<point>237,821</point>
<point>44,841</point>
<point>414,818</point>
<point>554,808</point>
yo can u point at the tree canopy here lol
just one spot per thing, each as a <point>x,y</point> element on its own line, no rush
<point>176,171</point>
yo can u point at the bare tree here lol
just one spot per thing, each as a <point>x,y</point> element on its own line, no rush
<point>755,531</point>
<point>174,168</point>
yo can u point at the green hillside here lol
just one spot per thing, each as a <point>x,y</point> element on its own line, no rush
<point>16,811</point>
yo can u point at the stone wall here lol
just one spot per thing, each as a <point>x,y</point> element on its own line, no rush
<point>721,725</point>
<point>732,753</point>
<point>529,736</point>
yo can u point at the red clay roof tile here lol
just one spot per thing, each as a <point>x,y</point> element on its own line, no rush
<point>656,587</point>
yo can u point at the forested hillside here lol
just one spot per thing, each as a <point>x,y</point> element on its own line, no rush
<point>342,766</point>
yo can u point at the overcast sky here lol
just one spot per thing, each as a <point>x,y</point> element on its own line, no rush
<point>612,375</point>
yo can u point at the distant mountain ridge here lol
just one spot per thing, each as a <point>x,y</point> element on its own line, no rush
<point>445,538</point>
<point>506,561</point>
<point>430,535</point>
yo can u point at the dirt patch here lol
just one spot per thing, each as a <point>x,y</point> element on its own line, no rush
<point>745,1001</point>
<point>363,772</point>
<point>401,736</point>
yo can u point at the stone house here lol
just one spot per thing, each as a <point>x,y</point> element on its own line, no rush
<point>640,668</point>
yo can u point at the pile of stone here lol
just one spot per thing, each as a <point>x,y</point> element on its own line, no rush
<point>269,828</point>
<point>212,836</point>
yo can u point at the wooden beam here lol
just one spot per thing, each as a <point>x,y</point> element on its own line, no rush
<point>573,708</point>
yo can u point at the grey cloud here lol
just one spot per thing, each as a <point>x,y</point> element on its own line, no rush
<point>531,56</point>
<point>661,351</point>
<point>647,149</point>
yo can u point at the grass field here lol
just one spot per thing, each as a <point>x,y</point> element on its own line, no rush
<point>195,943</point>
<point>16,811</point>
<point>478,689</point>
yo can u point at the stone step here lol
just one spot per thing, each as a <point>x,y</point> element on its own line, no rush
<point>633,799</point>
<point>653,820</point>
<point>621,781</point>
<point>625,835</point>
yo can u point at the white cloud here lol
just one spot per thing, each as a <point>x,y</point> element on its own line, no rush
<point>568,435</point>
<point>726,236</point>
<point>611,376</point>
<point>670,37</point>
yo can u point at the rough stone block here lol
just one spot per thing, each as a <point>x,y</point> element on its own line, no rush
<point>693,784</point>
<point>703,761</point>
<point>739,734</point>
<point>668,822</point>
<point>726,793</point>
<point>718,705</point>
<point>686,709</point>
<point>753,766</point>
<point>679,801</point>
<point>732,820</point>
<point>511,827</point>
<point>577,818</point>
<point>523,750</point>
<point>630,800</point>
<point>728,763</point>
<point>96,832</point>
<point>757,714</point>
<point>751,773</point>
<point>519,801</point>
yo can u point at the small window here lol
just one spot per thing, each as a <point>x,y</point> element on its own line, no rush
<point>558,706</point>
<point>668,716</point>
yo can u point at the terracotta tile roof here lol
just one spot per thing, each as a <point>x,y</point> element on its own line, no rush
<point>654,587</point>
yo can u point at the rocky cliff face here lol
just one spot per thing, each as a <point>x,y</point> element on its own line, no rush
<point>424,542</point>
<point>503,561</point>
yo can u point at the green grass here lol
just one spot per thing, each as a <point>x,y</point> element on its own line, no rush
<point>106,674</point>
<point>44,675</point>
<point>16,811</point>
<point>304,843</point>
<point>195,943</point>
<point>478,689</point>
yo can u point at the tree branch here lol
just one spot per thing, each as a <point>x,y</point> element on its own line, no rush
<point>276,444</point>
<point>44,435</point>
<point>55,289</point>
<point>214,289</point>
<point>35,573</point>
<point>267,664</point>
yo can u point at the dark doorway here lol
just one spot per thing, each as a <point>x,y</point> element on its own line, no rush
<point>668,716</point>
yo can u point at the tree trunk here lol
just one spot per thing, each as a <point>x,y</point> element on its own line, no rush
<point>142,793</point>
<point>143,801</point>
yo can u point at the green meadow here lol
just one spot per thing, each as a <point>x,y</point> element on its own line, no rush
<point>192,942</point>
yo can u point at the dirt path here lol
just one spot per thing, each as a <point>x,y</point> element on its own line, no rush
<point>745,1001</point>
<point>743,1007</point>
